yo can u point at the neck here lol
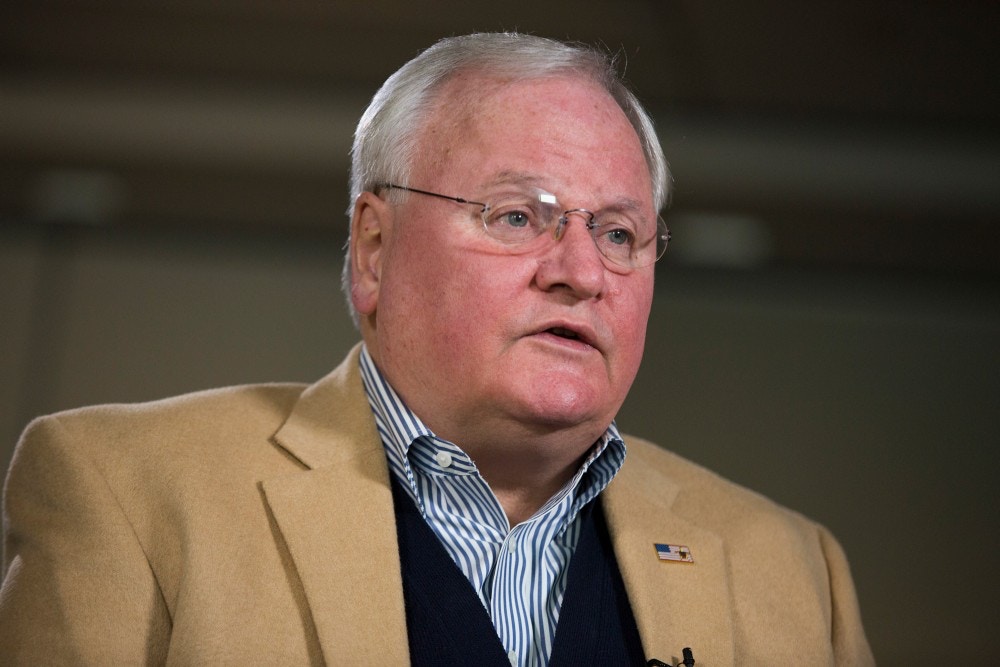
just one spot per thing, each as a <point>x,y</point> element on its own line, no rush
<point>522,503</point>
<point>524,481</point>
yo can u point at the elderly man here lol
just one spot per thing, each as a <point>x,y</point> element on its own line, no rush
<point>456,492</point>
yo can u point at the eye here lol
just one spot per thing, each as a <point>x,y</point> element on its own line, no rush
<point>516,218</point>
<point>620,237</point>
<point>615,235</point>
<point>510,217</point>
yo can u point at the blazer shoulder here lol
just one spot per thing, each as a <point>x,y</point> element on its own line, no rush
<point>709,498</point>
<point>786,580</point>
<point>206,420</point>
<point>241,398</point>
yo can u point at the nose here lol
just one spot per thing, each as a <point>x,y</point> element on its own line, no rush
<point>573,263</point>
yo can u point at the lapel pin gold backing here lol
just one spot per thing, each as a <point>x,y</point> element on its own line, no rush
<point>674,553</point>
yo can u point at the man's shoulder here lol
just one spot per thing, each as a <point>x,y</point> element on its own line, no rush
<point>215,425</point>
<point>212,409</point>
<point>230,428</point>
<point>705,496</point>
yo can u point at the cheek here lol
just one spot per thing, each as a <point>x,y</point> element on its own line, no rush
<point>449,298</point>
<point>631,317</point>
<point>477,305</point>
<point>409,282</point>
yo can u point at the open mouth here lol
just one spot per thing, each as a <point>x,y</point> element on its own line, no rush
<point>578,339</point>
<point>563,333</point>
<point>573,335</point>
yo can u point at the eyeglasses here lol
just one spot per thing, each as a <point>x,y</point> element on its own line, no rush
<point>518,217</point>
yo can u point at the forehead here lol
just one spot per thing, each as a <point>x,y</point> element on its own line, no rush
<point>567,133</point>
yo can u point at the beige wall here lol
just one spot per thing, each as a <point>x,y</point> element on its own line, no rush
<point>866,401</point>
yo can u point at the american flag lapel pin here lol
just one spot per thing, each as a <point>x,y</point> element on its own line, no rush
<point>674,553</point>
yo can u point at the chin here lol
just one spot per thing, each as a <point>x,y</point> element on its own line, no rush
<point>571,407</point>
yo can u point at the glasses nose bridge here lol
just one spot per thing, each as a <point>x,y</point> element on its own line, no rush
<point>563,220</point>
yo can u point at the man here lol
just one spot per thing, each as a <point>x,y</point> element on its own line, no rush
<point>455,491</point>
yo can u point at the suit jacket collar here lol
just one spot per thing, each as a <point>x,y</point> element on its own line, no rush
<point>336,518</point>
<point>676,605</point>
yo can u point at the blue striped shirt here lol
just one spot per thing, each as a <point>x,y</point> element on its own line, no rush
<point>519,573</point>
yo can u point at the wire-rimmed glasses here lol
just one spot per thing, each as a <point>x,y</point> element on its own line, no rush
<point>522,215</point>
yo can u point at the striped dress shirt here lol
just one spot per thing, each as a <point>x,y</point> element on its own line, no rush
<point>518,572</point>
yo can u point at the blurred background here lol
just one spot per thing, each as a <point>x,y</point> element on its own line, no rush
<point>173,182</point>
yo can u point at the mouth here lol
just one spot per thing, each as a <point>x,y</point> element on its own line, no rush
<point>563,333</point>
<point>579,337</point>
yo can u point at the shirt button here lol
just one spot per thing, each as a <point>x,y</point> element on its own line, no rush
<point>443,459</point>
<point>512,656</point>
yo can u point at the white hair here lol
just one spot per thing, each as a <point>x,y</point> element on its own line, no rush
<point>385,140</point>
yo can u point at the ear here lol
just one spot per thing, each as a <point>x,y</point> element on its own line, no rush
<point>369,224</point>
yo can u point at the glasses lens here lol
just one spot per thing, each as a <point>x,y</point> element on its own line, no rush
<point>515,218</point>
<point>627,242</point>
<point>617,237</point>
<point>518,217</point>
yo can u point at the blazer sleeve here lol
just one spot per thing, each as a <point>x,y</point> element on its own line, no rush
<point>850,647</point>
<point>77,586</point>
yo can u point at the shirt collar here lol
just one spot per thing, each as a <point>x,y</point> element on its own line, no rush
<point>400,428</point>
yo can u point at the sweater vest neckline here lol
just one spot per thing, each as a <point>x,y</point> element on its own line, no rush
<point>447,623</point>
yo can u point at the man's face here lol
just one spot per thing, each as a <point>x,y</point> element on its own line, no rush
<point>474,338</point>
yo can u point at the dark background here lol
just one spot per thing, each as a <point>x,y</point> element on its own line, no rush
<point>173,177</point>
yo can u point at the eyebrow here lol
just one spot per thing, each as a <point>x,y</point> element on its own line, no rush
<point>510,177</point>
<point>513,178</point>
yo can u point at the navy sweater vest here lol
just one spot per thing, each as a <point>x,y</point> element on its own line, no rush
<point>447,624</point>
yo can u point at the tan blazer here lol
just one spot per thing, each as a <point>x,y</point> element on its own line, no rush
<point>254,525</point>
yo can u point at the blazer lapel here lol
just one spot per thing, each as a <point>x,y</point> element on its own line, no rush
<point>676,605</point>
<point>336,517</point>
<point>337,520</point>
